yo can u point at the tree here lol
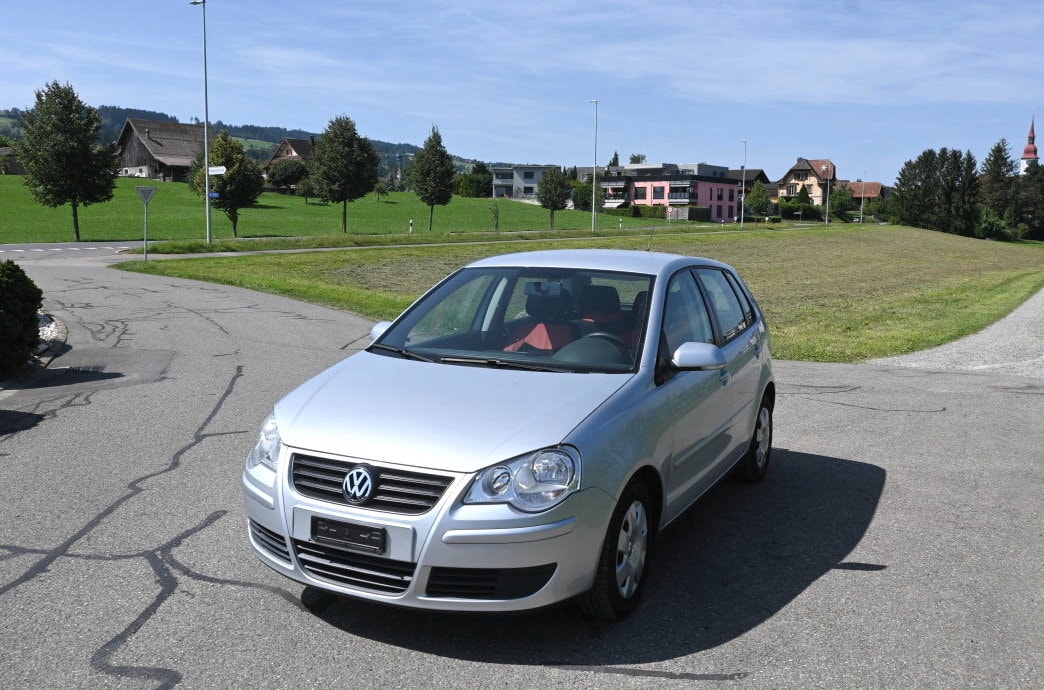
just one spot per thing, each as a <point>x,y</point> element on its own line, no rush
<point>1031,195</point>
<point>841,199</point>
<point>938,190</point>
<point>343,165</point>
<point>759,201</point>
<point>803,198</point>
<point>64,164</point>
<point>477,184</point>
<point>915,190</point>
<point>380,189</point>
<point>582,196</point>
<point>553,191</point>
<point>999,181</point>
<point>431,174</point>
<point>239,186</point>
<point>287,173</point>
<point>637,158</point>
<point>614,162</point>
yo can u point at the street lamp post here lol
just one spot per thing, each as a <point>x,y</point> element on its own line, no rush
<point>206,121</point>
<point>862,197</point>
<point>594,172</point>
<point>826,171</point>
<point>743,184</point>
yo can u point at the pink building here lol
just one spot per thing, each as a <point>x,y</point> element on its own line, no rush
<point>675,185</point>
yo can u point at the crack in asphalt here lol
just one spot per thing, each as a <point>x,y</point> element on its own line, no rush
<point>814,393</point>
<point>160,559</point>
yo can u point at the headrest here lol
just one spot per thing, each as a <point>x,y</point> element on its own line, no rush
<point>600,298</point>
<point>543,307</point>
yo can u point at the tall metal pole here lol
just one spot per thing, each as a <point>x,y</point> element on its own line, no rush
<point>862,197</point>
<point>206,121</point>
<point>743,184</point>
<point>826,169</point>
<point>594,172</point>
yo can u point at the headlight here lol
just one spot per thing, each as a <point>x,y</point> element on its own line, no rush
<point>266,450</point>
<point>532,483</point>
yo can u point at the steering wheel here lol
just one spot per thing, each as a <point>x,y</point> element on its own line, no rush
<point>612,338</point>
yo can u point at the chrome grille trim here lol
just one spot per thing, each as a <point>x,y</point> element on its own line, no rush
<point>397,491</point>
<point>352,569</point>
<point>270,541</point>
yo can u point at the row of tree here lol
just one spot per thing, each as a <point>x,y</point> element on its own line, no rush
<point>344,167</point>
<point>65,163</point>
<point>946,190</point>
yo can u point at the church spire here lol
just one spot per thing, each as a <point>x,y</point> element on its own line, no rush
<point>1030,152</point>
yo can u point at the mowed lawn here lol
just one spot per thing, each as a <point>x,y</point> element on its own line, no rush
<point>177,213</point>
<point>840,294</point>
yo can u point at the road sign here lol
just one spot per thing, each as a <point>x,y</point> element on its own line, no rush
<point>146,193</point>
<point>214,195</point>
<point>217,170</point>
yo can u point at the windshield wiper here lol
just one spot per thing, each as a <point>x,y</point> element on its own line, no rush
<point>402,352</point>
<point>500,363</point>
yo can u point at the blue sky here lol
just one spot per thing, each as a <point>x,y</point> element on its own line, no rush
<point>869,84</point>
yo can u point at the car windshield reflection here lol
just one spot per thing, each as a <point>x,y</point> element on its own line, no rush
<point>542,319</point>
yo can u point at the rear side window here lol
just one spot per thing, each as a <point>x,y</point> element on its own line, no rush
<point>731,313</point>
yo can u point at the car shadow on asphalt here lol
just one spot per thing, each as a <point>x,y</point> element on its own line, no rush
<point>725,567</point>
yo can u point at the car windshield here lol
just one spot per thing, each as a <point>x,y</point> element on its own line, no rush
<point>539,319</point>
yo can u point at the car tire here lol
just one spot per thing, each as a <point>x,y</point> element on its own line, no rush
<point>755,462</point>
<point>624,559</point>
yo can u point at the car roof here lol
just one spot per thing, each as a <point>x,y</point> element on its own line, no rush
<point>624,260</point>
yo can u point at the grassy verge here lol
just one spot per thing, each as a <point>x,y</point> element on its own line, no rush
<point>831,294</point>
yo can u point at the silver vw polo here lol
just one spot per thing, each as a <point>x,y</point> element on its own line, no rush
<point>519,435</point>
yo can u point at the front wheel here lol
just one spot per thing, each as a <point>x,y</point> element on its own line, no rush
<point>756,461</point>
<point>624,559</point>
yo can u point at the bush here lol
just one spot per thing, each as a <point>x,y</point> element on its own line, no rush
<point>652,211</point>
<point>20,300</point>
<point>774,219</point>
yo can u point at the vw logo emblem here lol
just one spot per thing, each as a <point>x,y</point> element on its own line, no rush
<point>358,485</point>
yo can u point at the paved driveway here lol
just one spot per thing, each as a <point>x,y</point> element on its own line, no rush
<point>896,541</point>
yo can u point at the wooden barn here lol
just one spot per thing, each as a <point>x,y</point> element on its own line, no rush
<point>159,150</point>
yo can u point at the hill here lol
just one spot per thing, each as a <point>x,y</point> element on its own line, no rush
<point>259,140</point>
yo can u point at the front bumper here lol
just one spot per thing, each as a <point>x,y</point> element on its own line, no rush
<point>453,557</point>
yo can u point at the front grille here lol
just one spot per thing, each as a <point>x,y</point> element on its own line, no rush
<point>488,583</point>
<point>353,569</point>
<point>270,541</point>
<point>409,493</point>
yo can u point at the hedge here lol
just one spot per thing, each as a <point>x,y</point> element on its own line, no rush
<point>20,301</point>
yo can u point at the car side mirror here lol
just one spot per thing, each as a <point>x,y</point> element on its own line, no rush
<point>698,357</point>
<point>378,330</point>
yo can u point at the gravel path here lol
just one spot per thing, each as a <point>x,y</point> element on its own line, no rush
<point>1013,346</point>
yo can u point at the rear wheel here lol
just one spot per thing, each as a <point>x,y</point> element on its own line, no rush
<point>755,463</point>
<point>624,559</point>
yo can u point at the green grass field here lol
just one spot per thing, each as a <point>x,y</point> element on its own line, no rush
<point>843,293</point>
<point>838,294</point>
<point>176,213</point>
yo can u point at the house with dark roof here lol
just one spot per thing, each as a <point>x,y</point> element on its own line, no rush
<point>159,150</point>
<point>747,177</point>
<point>290,149</point>
<point>812,173</point>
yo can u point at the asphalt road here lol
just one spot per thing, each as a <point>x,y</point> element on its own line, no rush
<point>897,541</point>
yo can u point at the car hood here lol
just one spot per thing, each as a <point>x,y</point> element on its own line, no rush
<point>437,416</point>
